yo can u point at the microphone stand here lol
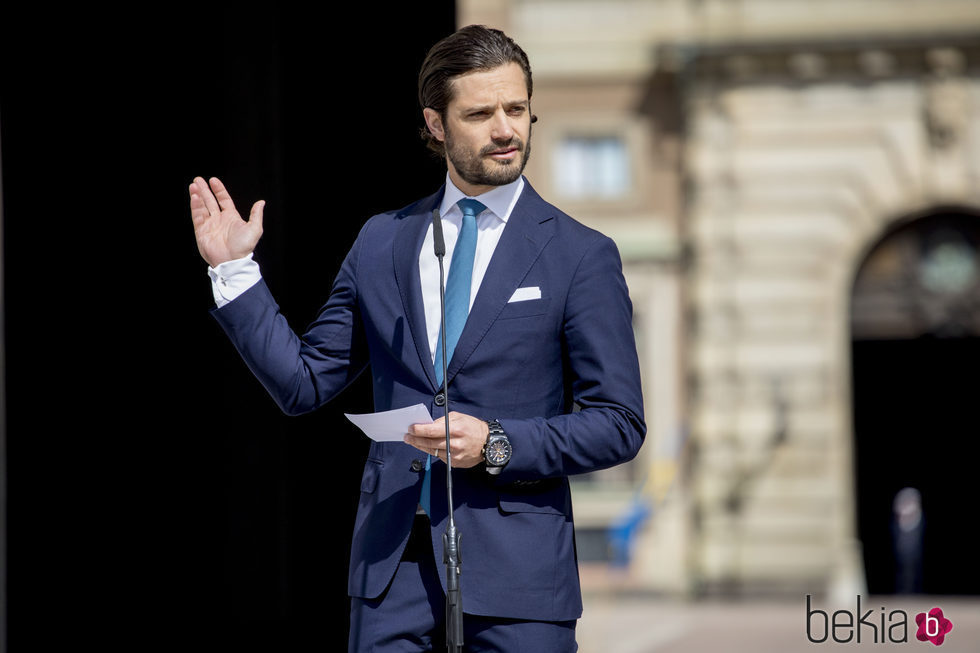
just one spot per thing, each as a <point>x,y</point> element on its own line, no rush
<point>450,539</point>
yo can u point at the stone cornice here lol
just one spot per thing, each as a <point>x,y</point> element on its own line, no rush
<point>843,60</point>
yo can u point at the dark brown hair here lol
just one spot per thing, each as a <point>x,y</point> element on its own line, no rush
<point>470,49</point>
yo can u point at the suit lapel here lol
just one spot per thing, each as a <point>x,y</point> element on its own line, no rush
<point>530,227</point>
<point>407,245</point>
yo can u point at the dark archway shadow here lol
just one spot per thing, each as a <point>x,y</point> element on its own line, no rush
<point>915,352</point>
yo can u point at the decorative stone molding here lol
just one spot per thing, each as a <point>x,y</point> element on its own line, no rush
<point>946,111</point>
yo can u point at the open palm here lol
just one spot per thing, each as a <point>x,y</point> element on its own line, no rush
<point>222,235</point>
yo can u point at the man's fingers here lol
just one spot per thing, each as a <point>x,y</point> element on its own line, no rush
<point>221,194</point>
<point>427,442</point>
<point>422,438</point>
<point>204,190</point>
<point>429,446</point>
<point>198,211</point>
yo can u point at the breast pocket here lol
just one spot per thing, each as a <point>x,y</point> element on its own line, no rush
<point>526,308</point>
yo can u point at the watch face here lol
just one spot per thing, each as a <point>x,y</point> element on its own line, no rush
<point>498,452</point>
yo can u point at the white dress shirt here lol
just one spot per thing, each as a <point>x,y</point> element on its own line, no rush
<point>231,278</point>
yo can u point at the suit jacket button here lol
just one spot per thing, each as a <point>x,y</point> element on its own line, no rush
<point>417,465</point>
<point>440,399</point>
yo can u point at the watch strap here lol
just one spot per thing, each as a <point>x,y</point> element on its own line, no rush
<point>495,430</point>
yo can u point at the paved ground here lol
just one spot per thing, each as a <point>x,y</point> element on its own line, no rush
<point>614,624</point>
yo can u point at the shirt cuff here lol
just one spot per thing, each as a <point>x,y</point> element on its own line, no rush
<point>231,278</point>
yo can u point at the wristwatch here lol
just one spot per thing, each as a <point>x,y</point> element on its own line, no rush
<point>497,450</point>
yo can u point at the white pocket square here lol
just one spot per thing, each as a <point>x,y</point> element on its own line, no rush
<point>524,294</point>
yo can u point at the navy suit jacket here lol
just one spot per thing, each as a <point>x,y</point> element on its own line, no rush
<point>559,372</point>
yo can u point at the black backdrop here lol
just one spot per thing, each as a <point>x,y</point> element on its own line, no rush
<point>156,494</point>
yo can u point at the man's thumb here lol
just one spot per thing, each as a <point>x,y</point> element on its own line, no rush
<point>256,214</point>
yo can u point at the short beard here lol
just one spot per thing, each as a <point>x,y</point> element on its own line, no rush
<point>478,171</point>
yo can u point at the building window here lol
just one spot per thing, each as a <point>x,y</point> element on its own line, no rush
<point>592,167</point>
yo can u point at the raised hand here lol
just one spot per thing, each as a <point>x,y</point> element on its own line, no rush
<point>222,235</point>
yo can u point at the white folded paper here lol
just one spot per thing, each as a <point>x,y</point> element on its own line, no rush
<point>390,425</point>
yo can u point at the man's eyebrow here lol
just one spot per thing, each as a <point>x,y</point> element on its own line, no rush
<point>489,107</point>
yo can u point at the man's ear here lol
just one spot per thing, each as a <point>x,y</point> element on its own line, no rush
<point>434,122</point>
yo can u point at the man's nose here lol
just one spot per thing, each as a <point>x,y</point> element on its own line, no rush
<point>501,129</point>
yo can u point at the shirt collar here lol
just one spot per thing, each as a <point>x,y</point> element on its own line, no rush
<point>500,200</point>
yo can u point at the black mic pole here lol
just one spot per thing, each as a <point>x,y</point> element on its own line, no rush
<point>450,539</point>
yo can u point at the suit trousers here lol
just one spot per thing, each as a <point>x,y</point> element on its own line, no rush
<point>410,615</point>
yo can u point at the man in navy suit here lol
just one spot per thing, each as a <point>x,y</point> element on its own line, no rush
<point>542,368</point>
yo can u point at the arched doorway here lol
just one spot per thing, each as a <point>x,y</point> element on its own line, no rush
<point>915,326</point>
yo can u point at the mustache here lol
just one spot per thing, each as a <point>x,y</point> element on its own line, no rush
<point>514,142</point>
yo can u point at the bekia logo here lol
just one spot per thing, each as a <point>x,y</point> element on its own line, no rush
<point>932,626</point>
<point>844,626</point>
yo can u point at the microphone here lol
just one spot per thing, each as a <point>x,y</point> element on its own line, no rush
<point>450,539</point>
<point>437,240</point>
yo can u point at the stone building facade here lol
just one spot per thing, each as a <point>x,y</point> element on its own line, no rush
<point>752,159</point>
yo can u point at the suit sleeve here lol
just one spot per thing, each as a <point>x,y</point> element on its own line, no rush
<point>602,372</point>
<point>300,373</point>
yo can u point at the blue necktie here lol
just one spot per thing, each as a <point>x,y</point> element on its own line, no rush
<point>457,303</point>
